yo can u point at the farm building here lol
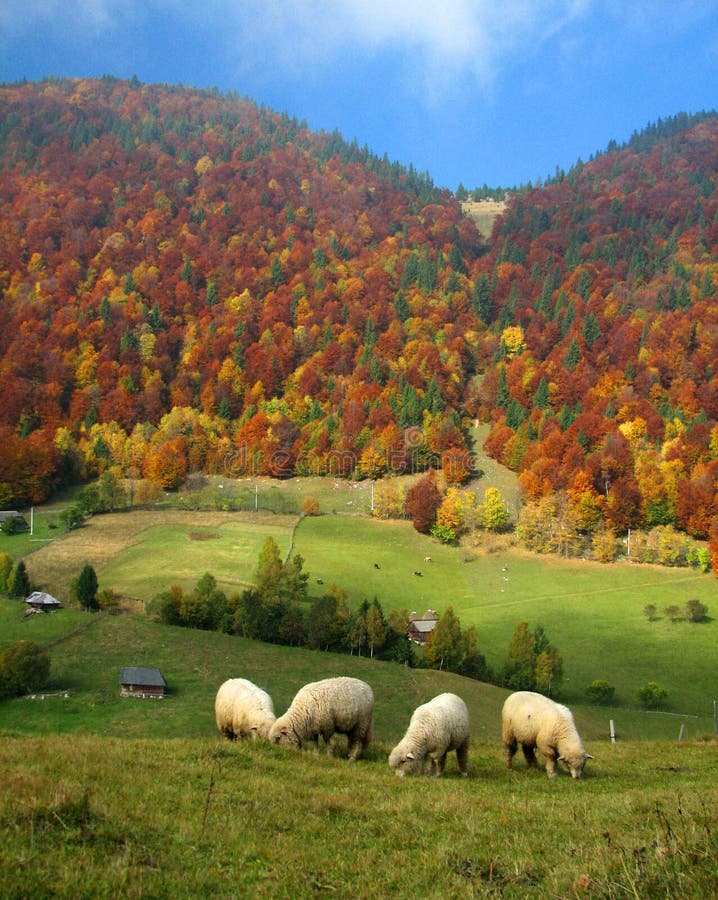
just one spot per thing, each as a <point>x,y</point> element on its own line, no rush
<point>418,629</point>
<point>42,602</point>
<point>143,682</point>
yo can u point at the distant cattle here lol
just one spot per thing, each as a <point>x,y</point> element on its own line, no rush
<point>418,574</point>
<point>377,566</point>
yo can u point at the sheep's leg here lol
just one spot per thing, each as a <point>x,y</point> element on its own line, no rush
<point>550,755</point>
<point>355,747</point>
<point>510,748</point>
<point>440,762</point>
<point>462,757</point>
<point>328,743</point>
<point>530,755</point>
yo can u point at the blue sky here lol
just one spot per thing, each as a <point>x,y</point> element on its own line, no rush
<point>473,91</point>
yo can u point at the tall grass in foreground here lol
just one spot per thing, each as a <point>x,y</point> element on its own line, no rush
<point>105,817</point>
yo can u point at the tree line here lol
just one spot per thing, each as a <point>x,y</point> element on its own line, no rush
<point>278,609</point>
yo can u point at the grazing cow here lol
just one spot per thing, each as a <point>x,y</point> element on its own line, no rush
<point>319,581</point>
<point>418,574</point>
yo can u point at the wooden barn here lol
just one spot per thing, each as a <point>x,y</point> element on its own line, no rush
<point>418,630</point>
<point>143,682</point>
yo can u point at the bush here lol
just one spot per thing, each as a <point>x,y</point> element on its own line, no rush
<point>14,525</point>
<point>696,611</point>
<point>23,667</point>
<point>651,695</point>
<point>601,691</point>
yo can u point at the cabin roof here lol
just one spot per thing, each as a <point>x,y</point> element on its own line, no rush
<point>142,675</point>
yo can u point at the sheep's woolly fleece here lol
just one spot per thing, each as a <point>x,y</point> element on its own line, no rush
<point>436,728</point>
<point>539,723</point>
<point>323,708</point>
<point>242,709</point>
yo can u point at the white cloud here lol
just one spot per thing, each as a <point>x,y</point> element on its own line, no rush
<point>453,37</point>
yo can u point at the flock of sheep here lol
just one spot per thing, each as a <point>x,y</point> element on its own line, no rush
<point>346,706</point>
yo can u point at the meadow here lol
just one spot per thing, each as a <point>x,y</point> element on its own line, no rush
<point>592,612</point>
<point>109,797</point>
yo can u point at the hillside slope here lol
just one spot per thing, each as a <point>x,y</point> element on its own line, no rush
<point>192,282</point>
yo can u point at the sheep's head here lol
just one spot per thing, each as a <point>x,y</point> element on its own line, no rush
<point>404,762</point>
<point>261,728</point>
<point>574,763</point>
<point>284,734</point>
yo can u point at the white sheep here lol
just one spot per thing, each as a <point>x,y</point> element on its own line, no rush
<point>537,722</point>
<point>324,708</point>
<point>242,709</point>
<point>435,728</point>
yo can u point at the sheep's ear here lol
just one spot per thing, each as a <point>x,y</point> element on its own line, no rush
<point>560,758</point>
<point>410,755</point>
<point>253,728</point>
<point>588,756</point>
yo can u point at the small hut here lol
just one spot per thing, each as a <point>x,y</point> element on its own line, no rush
<point>39,601</point>
<point>143,682</point>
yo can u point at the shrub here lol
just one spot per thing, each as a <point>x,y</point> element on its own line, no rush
<point>696,611</point>
<point>13,525</point>
<point>650,611</point>
<point>601,691</point>
<point>651,695</point>
<point>673,612</point>
<point>23,667</point>
<point>310,507</point>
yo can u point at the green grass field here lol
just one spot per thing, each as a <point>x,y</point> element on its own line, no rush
<point>593,613</point>
<point>103,796</point>
<point>195,818</point>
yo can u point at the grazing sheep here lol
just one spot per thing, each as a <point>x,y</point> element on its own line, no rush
<point>427,559</point>
<point>418,574</point>
<point>537,722</point>
<point>435,728</point>
<point>242,709</point>
<point>332,706</point>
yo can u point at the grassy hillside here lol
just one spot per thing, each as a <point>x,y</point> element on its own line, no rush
<point>592,613</point>
<point>146,800</point>
<point>199,817</point>
<point>89,650</point>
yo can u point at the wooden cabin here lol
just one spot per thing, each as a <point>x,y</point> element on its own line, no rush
<point>143,682</point>
<point>419,629</point>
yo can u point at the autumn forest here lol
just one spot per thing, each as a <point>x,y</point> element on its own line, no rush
<point>190,282</point>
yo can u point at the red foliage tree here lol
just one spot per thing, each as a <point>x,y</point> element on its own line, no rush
<point>422,501</point>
